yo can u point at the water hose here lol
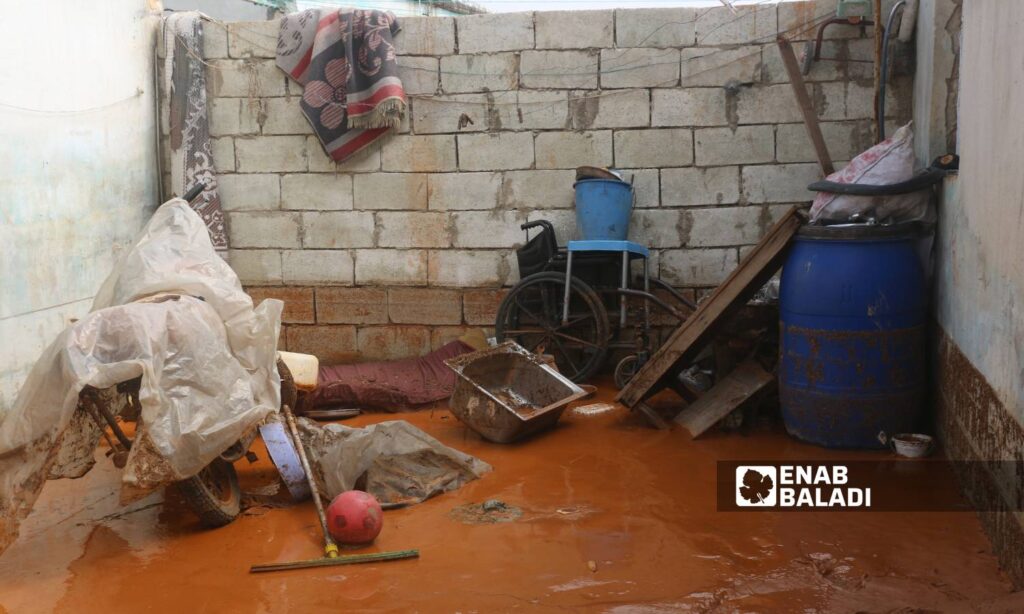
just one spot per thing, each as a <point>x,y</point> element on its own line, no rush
<point>885,67</point>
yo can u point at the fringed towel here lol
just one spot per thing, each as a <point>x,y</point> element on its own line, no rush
<point>191,152</point>
<point>345,60</point>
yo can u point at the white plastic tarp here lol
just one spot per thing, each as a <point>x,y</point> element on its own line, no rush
<point>175,313</point>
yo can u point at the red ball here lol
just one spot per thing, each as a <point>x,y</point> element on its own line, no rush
<point>354,517</point>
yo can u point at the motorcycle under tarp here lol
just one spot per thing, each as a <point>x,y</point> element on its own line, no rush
<point>173,312</point>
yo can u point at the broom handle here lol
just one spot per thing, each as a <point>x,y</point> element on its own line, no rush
<point>330,548</point>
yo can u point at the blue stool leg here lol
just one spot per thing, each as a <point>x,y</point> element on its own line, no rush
<point>568,279</point>
<point>624,286</point>
<point>647,304</point>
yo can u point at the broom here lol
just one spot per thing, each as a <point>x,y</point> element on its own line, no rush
<point>331,556</point>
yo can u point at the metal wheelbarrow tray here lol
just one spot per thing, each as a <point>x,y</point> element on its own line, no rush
<point>505,393</point>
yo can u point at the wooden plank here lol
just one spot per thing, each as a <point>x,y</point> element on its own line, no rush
<point>803,100</point>
<point>653,416</point>
<point>692,335</point>
<point>735,389</point>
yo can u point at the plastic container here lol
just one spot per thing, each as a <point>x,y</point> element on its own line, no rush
<point>603,208</point>
<point>853,310</point>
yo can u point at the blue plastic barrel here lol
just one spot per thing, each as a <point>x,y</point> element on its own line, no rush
<point>603,207</point>
<point>853,309</point>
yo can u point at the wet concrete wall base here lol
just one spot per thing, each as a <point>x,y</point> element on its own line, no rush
<point>974,425</point>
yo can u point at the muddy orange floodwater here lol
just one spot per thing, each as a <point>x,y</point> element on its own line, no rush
<point>614,517</point>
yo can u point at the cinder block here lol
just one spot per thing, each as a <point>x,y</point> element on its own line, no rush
<point>467,268</point>
<point>572,149</point>
<point>653,148</point>
<point>249,192</point>
<point>721,26</point>
<point>845,140</point>
<point>540,110</point>
<point>390,191</point>
<point>425,36</point>
<point>284,116</point>
<point>779,183</point>
<point>245,79</point>
<point>215,41</point>
<point>500,151</point>
<point>223,154</point>
<point>480,307</point>
<point>263,229</point>
<point>661,228</point>
<point>463,191</point>
<point>710,67</point>
<point>689,107</point>
<point>298,302</point>
<point>575,29</point>
<point>559,69</point>
<point>419,153</point>
<point>256,266</point>
<point>424,306</point>
<point>463,112</point>
<point>646,187</point>
<point>697,267</point>
<point>687,187</point>
<point>656,27</point>
<point>745,144</point>
<point>537,190</point>
<point>725,226</point>
<point>332,344</point>
<point>320,266</point>
<point>337,229</point>
<point>352,305</point>
<point>612,109</point>
<point>487,228</point>
<point>562,220</point>
<point>860,100</point>
<point>475,73</point>
<point>639,67</point>
<point>419,75</point>
<point>768,104</point>
<point>391,266</point>
<point>388,342</point>
<point>830,101</point>
<point>858,58</point>
<point>489,32</point>
<point>224,116</point>
<point>270,154</point>
<point>255,39</point>
<point>316,191</point>
<point>413,229</point>
<point>443,335</point>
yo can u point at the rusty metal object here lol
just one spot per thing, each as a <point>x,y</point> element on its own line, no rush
<point>845,386</point>
<point>505,393</point>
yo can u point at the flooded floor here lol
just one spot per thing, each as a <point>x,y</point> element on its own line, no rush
<point>600,514</point>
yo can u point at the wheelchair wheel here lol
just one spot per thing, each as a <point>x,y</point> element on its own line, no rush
<point>531,315</point>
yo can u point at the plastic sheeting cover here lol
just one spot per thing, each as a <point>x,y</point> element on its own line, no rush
<point>175,313</point>
<point>394,461</point>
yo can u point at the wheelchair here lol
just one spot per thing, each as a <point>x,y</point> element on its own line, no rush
<point>562,302</point>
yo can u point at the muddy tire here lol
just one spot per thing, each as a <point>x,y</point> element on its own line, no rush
<point>213,494</point>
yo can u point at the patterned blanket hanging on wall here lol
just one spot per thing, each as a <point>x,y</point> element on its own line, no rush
<point>189,140</point>
<point>346,62</point>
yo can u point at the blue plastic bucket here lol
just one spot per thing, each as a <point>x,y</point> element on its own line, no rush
<point>603,207</point>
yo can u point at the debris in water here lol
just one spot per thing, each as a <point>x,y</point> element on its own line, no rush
<point>594,409</point>
<point>490,511</point>
<point>592,565</point>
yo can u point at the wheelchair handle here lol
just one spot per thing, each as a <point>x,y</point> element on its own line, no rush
<point>542,223</point>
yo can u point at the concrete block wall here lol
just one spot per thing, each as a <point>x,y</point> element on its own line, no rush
<point>404,246</point>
